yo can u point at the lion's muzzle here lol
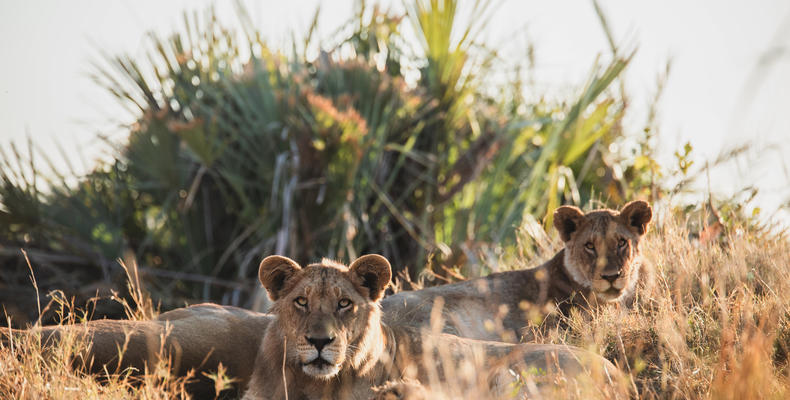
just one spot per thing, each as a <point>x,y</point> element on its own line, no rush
<point>609,284</point>
<point>321,357</point>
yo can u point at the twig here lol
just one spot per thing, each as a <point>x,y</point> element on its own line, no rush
<point>285,380</point>
<point>187,204</point>
<point>42,256</point>
<point>188,276</point>
<point>35,285</point>
<point>45,257</point>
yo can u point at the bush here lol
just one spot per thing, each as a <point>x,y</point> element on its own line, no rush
<point>240,151</point>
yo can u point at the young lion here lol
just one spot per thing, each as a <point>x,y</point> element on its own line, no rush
<point>599,264</point>
<point>327,341</point>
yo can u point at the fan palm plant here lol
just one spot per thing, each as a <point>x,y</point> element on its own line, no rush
<point>241,150</point>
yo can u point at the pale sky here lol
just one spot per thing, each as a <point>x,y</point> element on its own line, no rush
<point>718,94</point>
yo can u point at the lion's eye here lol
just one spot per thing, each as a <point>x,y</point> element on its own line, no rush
<point>343,303</point>
<point>622,243</point>
<point>589,246</point>
<point>301,301</point>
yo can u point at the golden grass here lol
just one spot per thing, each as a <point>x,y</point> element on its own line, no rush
<point>31,372</point>
<point>714,323</point>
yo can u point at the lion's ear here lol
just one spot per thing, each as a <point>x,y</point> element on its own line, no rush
<point>274,272</point>
<point>637,214</point>
<point>567,220</point>
<point>373,273</point>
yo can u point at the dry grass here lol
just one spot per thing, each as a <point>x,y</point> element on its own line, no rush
<point>30,371</point>
<point>714,323</point>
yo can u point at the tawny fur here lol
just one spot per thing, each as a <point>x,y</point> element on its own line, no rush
<point>308,304</point>
<point>498,306</point>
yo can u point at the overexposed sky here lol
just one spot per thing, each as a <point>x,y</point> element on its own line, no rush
<point>730,81</point>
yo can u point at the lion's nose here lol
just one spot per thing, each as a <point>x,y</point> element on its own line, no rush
<point>611,277</point>
<point>319,343</point>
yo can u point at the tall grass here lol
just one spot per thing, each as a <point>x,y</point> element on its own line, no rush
<point>31,372</point>
<point>34,370</point>
<point>713,322</point>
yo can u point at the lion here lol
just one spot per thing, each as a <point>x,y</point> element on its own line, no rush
<point>328,341</point>
<point>193,339</point>
<point>599,264</point>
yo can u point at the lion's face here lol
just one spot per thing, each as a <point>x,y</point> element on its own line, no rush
<point>327,312</point>
<point>602,247</point>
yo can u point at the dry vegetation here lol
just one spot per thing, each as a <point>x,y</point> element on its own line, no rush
<point>713,323</point>
<point>30,371</point>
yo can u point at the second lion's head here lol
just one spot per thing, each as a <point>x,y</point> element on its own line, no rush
<point>602,247</point>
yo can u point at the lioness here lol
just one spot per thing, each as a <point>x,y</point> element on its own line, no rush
<point>328,341</point>
<point>599,263</point>
<point>196,338</point>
